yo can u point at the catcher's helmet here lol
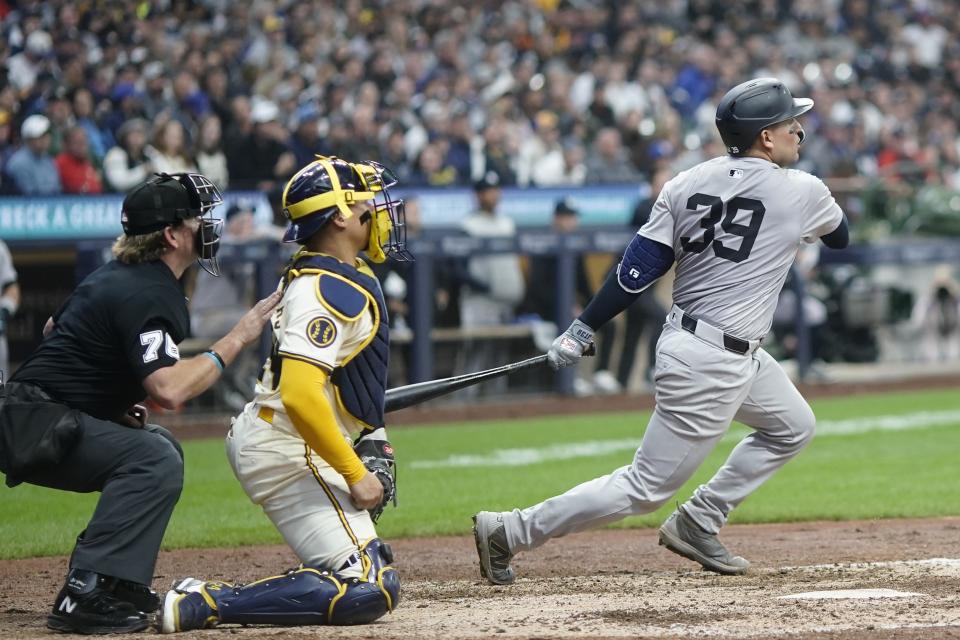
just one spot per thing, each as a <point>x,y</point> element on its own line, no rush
<point>328,185</point>
<point>753,106</point>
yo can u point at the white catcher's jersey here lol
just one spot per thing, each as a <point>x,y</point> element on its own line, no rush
<point>735,225</point>
<point>309,331</point>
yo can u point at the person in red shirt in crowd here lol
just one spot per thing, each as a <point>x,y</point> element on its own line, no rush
<point>77,173</point>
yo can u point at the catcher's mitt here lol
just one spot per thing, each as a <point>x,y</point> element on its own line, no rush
<point>376,454</point>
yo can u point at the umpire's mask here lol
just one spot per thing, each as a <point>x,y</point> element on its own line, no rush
<point>172,198</point>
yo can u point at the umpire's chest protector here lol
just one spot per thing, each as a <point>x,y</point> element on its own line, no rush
<point>360,379</point>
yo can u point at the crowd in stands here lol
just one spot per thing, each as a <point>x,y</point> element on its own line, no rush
<point>96,95</point>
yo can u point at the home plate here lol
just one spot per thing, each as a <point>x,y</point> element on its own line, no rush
<point>851,594</point>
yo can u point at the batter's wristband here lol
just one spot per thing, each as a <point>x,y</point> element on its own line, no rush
<point>217,359</point>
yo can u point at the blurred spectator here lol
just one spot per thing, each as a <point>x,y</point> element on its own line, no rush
<point>127,165</point>
<point>36,57</point>
<point>936,314</point>
<point>541,160</point>
<point>77,173</point>
<point>169,151</point>
<point>393,154</point>
<point>127,103</point>
<point>211,161</point>
<point>306,143</point>
<point>261,160</point>
<point>31,168</point>
<point>83,113</point>
<point>599,112</point>
<point>608,162</point>
<point>499,151</point>
<point>9,302</point>
<point>574,168</point>
<point>492,285</point>
<point>431,170</point>
<point>6,150</point>
<point>542,282</point>
<point>60,114</point>
<point>157,97</point>
<point>458,148</point>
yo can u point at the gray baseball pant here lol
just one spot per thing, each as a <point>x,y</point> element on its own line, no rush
<point>700,389</point>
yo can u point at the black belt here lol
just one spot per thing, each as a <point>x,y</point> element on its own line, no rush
<point>730,343</point>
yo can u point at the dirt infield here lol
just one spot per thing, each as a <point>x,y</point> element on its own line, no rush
<point>609,584</point>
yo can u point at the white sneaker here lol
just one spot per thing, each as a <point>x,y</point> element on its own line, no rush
<point>606,383</point>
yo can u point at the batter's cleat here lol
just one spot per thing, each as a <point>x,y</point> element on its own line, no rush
<point>190,605</point>
<point>139,595</point>
<point>87,605</point>
<point>492,547</point>
<point>684,537</point>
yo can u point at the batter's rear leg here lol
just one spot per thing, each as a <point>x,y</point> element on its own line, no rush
<point>784,424</point>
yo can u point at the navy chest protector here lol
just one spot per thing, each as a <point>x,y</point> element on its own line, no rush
<point>360,381</point>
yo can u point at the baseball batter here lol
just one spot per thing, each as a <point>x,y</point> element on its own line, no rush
<point>733,226</point>
<point>323,385</point>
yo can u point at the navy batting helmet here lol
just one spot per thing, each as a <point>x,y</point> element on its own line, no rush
<point>753,106</point>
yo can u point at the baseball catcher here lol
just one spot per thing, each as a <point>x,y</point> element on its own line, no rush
<point>311,448</point>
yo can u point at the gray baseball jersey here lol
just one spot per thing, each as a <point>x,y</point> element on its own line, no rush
<point>735,225</point>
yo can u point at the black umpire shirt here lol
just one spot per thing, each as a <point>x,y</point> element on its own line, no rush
<point>122,323</point>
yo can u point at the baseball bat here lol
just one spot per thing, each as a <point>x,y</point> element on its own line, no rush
<point>411,394</point>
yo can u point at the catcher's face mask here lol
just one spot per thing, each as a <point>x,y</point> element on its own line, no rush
<point>388,231</point>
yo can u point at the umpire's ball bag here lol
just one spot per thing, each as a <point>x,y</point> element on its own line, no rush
<point>34,430</point>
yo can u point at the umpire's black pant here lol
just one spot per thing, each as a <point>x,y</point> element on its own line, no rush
<point>139,473</point>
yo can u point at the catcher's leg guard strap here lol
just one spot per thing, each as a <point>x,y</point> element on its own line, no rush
<point>310,596</point>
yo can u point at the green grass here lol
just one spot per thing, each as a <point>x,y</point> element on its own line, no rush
<point>879,474</point>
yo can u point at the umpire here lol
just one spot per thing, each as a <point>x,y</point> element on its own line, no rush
<point>69,418</point>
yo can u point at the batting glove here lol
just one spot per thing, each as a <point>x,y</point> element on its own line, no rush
<point>570,345</point>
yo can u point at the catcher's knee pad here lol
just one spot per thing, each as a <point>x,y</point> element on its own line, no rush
<point>311,596</point>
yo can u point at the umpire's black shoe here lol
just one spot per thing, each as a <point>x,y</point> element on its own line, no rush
<point>87,604</point>
<point>139,595</point>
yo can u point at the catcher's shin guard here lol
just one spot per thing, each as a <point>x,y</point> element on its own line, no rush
<point>310,596</point>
